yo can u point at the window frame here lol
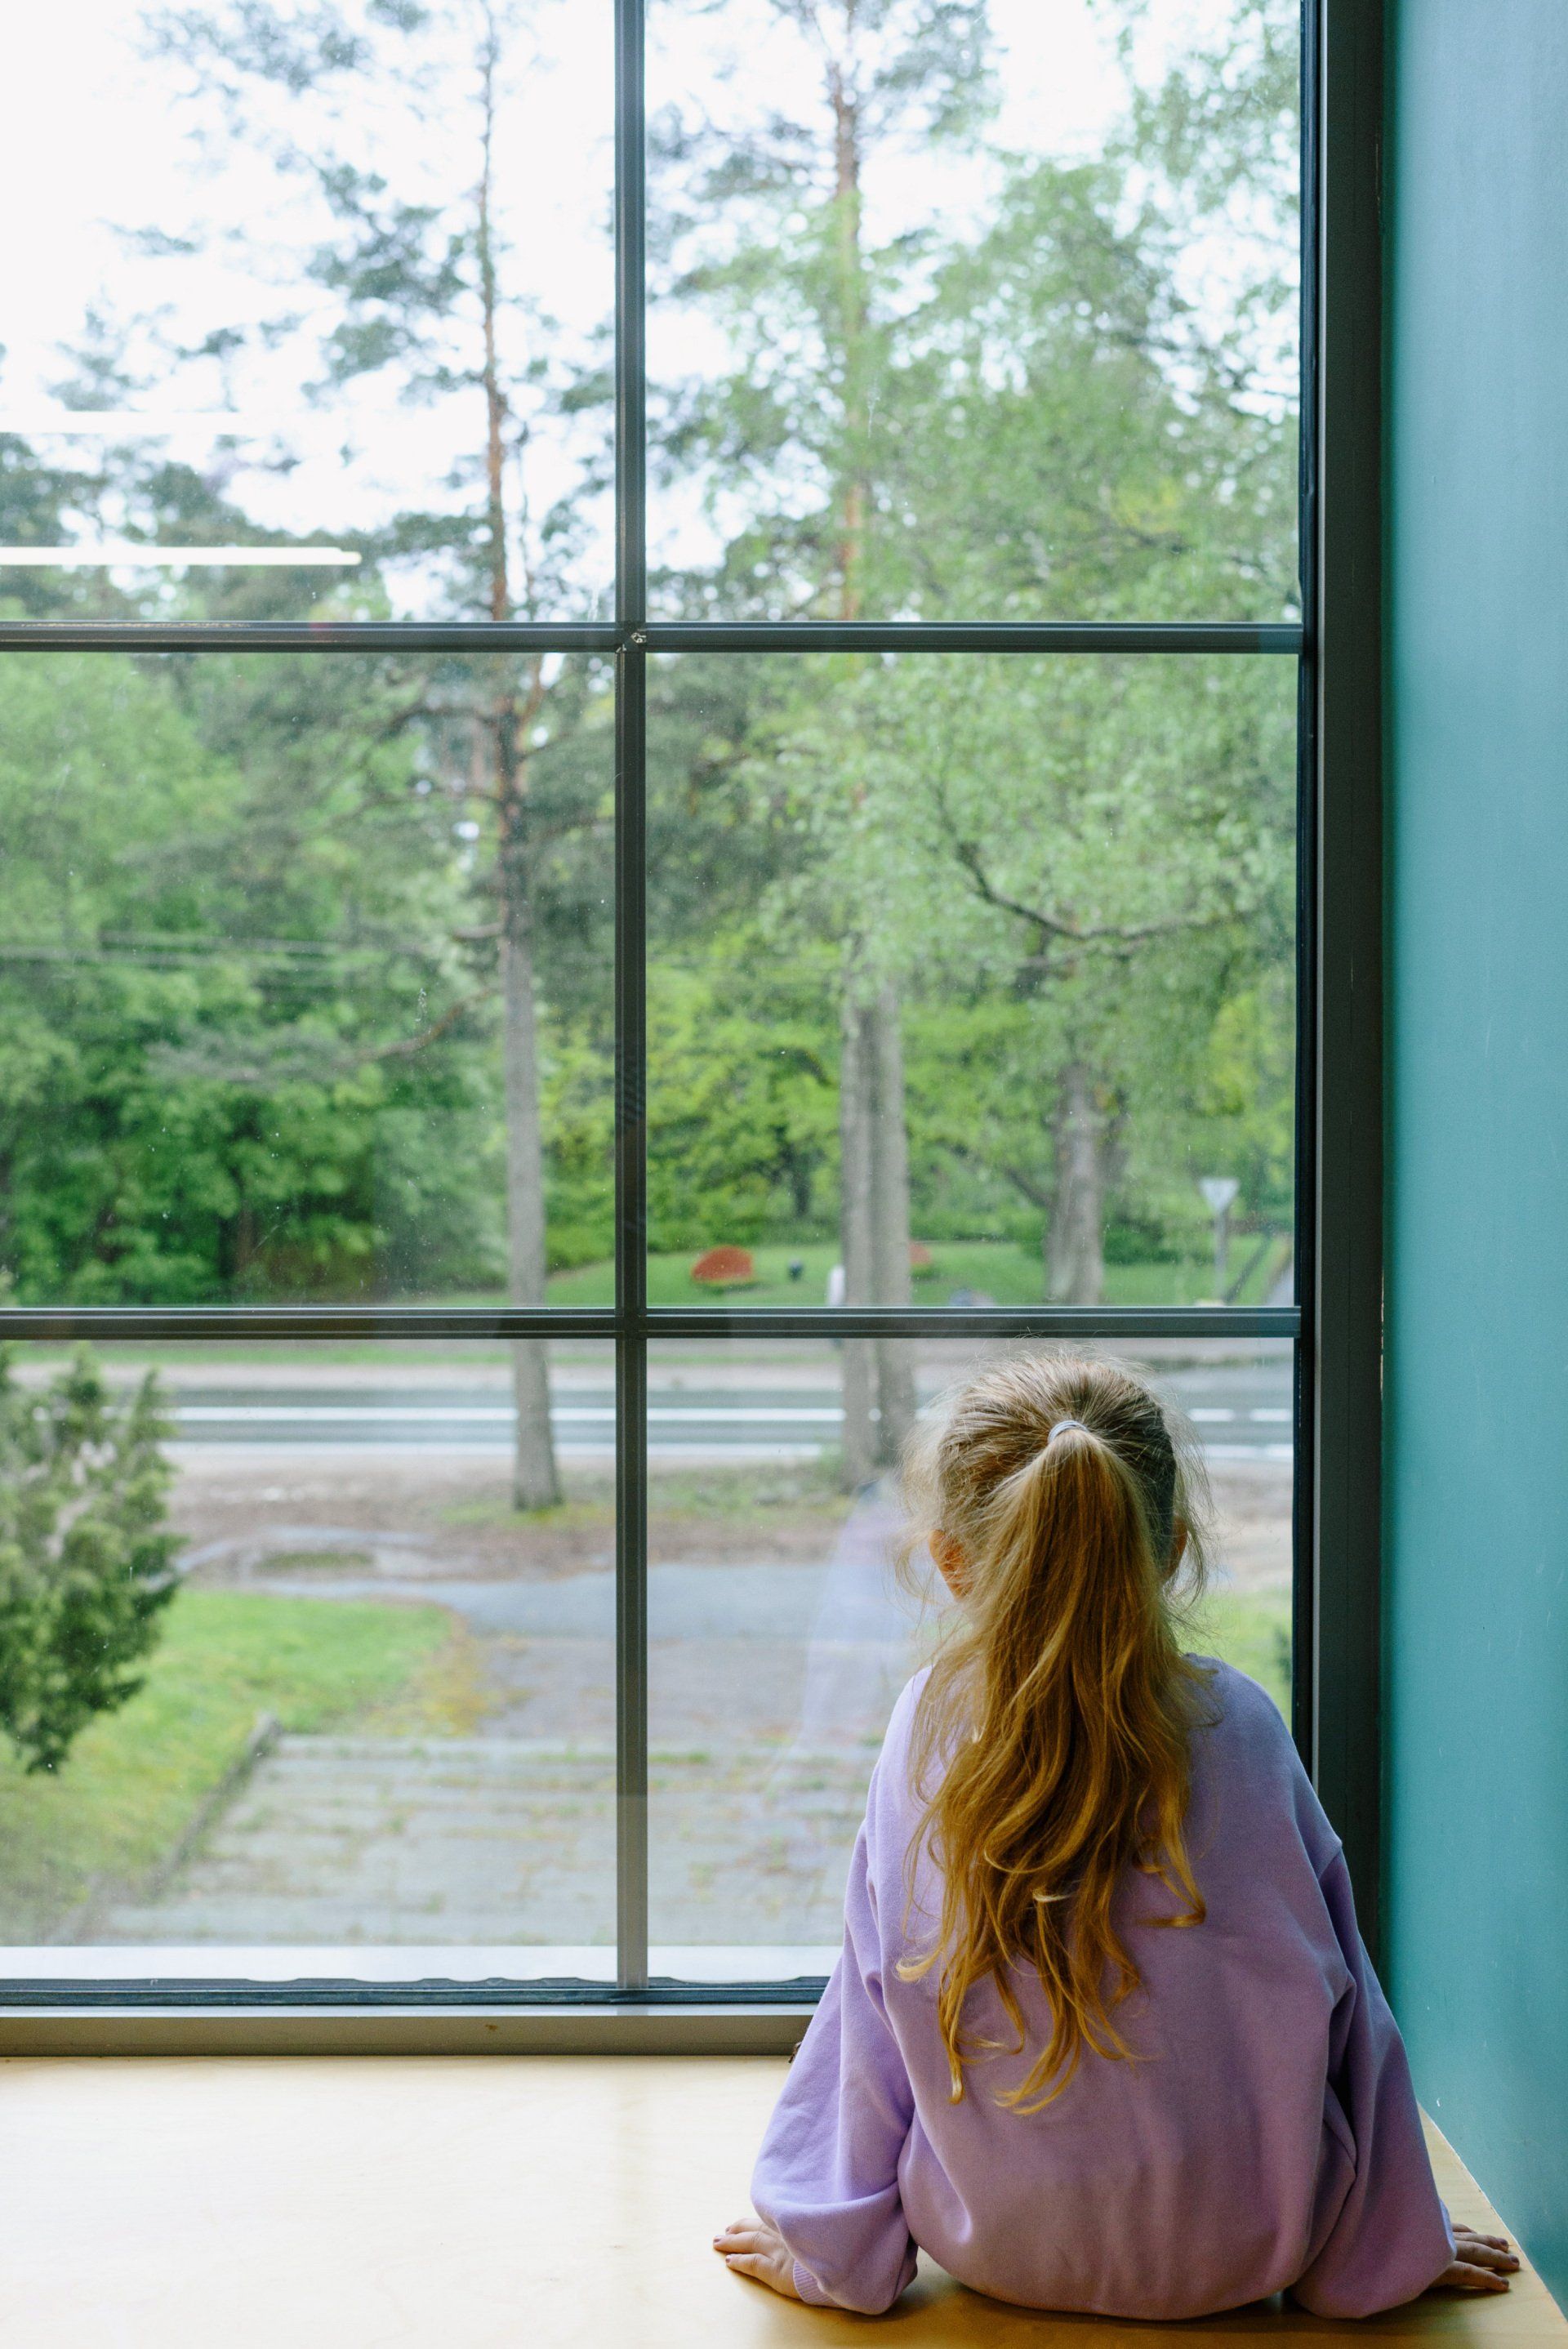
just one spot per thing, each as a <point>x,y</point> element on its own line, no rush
<point>1335,1324</point>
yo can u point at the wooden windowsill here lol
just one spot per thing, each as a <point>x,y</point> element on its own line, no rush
<point>551,2203</point>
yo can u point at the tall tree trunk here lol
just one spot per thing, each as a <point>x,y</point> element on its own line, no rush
<point>1076,1258</point>
<point>857,1213</point>
<point>535,1482</point>
<point>879,1394</point>
<point>879,1374</point>
<point>890,1231</point>
<point>854,487</point>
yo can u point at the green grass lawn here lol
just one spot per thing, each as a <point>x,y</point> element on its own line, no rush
<point>1000,1269</point>
<point>134,1778</point>
<point>1249,1628</point>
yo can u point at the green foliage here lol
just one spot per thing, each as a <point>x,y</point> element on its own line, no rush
<point>1059,862</point>
<point>232,966</point>
<point>251,1041</point>
<point>1069,872</point>
<point>764,221</point>
<point>86,1560</point>
<point>744,1116</point>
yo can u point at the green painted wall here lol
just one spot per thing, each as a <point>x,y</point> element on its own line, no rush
<point>1476,1633</point>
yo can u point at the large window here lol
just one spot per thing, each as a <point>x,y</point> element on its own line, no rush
<point>651,796</point>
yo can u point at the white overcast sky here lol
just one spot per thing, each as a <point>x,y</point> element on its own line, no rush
<point>93,145</point>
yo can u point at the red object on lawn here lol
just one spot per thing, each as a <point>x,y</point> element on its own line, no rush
<point>919,1256</point>
<point>724,1268</point>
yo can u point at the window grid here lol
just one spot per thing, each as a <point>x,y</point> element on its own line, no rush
<point>631,1323</point>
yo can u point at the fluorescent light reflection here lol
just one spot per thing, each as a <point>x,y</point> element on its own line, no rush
<point>124,423</point>
<point>113,552</point>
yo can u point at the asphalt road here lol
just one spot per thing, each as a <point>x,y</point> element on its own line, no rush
<point>1236,1411</point>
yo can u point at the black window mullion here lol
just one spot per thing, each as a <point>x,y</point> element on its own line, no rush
<point>630,1342</point>
<point>1282,637</point>
<point>631,1023</point>
<point>1344,1310</point>
<point>1303,1599</point>
<point>119,1324</point>
<point>633,628</point>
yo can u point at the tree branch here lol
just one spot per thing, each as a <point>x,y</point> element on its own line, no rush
<point>305,1070</point>
<point>407,1047</point>
<point>1056,926</point>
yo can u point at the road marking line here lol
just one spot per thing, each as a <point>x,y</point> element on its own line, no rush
<point>403,1414</point>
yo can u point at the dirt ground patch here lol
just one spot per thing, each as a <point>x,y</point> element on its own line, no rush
<point>426,1512</point>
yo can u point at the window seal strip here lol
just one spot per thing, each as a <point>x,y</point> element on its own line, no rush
<point>1190,638</point>
<point>167,1324</point>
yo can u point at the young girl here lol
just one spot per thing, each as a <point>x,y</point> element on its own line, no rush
<point>1103,2036</point>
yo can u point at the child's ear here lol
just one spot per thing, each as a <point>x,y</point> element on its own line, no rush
<point>951,1562</point>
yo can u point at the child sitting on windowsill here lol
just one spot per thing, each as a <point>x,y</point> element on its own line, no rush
<point>1103,2036</point>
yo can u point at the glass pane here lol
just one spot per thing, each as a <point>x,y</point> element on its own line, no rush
<point>984,311</point>
<point>778,1637</point>
<point>972,980</point>
<point>305,972</point>
<point>373,1732</point>
<point>310,314</point>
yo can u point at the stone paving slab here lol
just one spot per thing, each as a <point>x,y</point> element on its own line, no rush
<point>361,1839</point>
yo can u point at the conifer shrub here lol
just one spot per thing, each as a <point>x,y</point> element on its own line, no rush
<point>86,1561</point>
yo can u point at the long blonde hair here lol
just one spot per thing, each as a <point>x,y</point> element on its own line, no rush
<point>1050,1741</point>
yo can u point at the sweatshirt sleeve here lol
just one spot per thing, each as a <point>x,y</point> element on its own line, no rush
<point>827,2176</point>
<point>1391,2237</point>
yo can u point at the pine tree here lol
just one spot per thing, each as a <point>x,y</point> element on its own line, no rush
<point>86,1558</point>
<point>892,75</point>
<point>421,302</point>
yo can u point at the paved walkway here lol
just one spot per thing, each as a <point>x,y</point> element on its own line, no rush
<point>507,1840</point>
<point>769,1689</point>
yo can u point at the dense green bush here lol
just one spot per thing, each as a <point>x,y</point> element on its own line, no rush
<point>85,1557</point>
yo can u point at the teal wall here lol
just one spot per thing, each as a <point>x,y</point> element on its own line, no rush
<point>1476,1631</point>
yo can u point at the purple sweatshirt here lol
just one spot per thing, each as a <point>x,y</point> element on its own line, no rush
<point>1268,2138</point>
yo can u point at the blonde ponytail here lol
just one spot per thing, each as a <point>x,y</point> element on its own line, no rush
<point>1052,1738</point>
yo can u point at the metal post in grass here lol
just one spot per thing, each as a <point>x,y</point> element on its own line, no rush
<point>1219,1192</point>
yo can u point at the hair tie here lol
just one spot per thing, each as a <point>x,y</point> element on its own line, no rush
<point>1057,1426</point>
